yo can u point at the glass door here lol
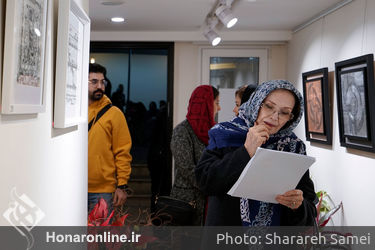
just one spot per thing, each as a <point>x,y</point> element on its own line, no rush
<point>229,69</point>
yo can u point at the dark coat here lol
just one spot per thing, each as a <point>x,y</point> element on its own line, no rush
<point>219,169</point>
<point>187,150</point>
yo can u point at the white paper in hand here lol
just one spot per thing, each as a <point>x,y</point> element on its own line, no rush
<point>269,173</point>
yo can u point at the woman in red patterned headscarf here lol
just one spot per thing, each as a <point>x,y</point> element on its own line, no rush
<point>189,139</point>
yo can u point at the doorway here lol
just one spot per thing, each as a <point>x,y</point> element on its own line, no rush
<point>141,77</point>
<point>230,68</point>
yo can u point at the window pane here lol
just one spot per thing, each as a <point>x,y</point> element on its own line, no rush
<point>117,68</point>
<point>233,72</point>
<point>148,76</point>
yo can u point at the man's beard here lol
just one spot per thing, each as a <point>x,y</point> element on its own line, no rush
<point>97,95</point>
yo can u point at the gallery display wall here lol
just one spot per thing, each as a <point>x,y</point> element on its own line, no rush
<point>345,173</point>
<point>46,164</point>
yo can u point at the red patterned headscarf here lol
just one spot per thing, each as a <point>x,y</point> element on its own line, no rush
<point>201,111</point>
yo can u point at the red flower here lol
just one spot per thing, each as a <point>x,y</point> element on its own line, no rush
<point>98,216</point>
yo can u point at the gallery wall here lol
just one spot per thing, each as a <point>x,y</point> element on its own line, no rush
<point>47,165</point>
<point>346,174</point>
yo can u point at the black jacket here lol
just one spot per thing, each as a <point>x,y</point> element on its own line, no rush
<point>219,169</point>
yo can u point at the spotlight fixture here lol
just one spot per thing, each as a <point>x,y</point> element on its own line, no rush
<point>225,14</point>
<point>220,11</point>
<point>209,31</point>
<point>212,36</point>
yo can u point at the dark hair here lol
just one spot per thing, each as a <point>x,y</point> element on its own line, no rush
<point>97,68</point>
<point>239,91</point>
<point>216,92</point>
<point>246,93</point>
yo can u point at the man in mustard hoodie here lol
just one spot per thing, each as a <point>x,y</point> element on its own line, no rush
<point>109,144</point>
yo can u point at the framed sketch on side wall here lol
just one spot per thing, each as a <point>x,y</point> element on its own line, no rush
<point>356,102</point>
<point>72,60</point>
<point>317,106</point>
<point>24,57</point>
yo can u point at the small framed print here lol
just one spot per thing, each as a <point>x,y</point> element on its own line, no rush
<point>24,57</point>
<point>356,102</point>
<point>73,42</point>
<point>317,106</point>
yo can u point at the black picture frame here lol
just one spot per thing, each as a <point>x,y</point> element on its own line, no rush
<point>356,102</point>
<point>316,92</point>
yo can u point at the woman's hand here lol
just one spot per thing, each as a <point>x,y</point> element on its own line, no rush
<point>292,198</point>
<point>256,136</point>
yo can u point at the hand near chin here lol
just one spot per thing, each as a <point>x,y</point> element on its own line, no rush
<point>256,137</point>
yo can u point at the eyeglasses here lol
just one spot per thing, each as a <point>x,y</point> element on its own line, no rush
<point>270,109</point>
<point>96,81</point>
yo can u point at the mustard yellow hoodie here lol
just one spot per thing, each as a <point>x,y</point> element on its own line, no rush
<point>109,145</point>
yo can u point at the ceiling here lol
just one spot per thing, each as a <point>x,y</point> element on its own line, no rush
<point>190,15</point>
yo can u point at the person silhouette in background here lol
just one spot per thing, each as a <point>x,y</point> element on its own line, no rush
<point>152,110</point>
<point>108,88</point>
<point>150,122</point>
<point>118,98</point>
<point>157,156</point>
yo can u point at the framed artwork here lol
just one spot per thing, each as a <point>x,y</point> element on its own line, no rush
<point>356,102</point>
<point>24,57</point>
<point>317,106</point>
<point>72,62</point>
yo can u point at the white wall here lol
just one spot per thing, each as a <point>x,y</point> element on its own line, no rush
<point>48,165</point>
<point>186,78</point>
<point>346,174</point>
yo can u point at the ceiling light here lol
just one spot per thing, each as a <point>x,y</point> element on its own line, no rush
<point>226,16</point>
<point>118,19</point>
<point>212,36</point>
<point>209,31</point>
<point>221,11</point>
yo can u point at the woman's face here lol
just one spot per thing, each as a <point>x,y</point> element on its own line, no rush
<point>276,110</point>
<point>217,107</point>
<point>238,104</point>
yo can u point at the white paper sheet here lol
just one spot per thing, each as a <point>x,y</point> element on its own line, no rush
<point>269,173</point>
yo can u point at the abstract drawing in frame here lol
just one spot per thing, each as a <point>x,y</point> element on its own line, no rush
<point>317,106</point>
<point>356,102</point>
<point>71,82</point>
<point>24,57</point>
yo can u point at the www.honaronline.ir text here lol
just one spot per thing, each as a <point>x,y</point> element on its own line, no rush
<point>52,237</point>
